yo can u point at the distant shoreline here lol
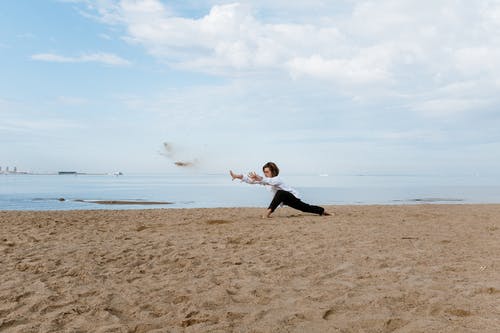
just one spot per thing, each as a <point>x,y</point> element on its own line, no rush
<point>208,209</point>
<point>59,173</point>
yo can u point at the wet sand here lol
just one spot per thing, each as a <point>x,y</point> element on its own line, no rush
<point>421,268</point>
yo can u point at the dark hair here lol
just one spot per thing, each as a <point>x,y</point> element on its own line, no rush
<point>272,167</point>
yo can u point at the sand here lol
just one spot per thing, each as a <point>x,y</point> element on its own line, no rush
<point>422,268</point>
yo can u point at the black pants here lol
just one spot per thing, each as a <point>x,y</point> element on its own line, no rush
<point>287,198</point>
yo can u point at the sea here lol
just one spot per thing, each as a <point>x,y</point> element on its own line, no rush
<point>82,191</point>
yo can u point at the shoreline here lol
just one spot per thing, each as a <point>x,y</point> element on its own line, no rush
<point>166,205</point>
<point>370,268</point>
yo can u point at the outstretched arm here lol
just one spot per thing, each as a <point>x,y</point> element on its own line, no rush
<point>250,179</point>
<point>273,181</point>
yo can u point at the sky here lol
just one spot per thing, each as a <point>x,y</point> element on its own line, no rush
<point>338,87</point>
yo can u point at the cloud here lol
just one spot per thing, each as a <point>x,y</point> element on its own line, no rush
<point>27,35</point>
<point>450,106</point>
<point>361,69</point>
<point>18,125</point>
<point>229,37</point>
<point>406,51</point>
<point>105,36</point>
<point>235,31</point>
<point>71,101</point>
<point>104,58</point>
<point>482,60</point>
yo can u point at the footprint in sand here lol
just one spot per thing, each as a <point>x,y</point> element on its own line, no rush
<point>211,222</point>
<point>328,313</point>
<point>459,312</point>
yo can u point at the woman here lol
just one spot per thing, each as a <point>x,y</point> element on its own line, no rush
<point>284,195</point>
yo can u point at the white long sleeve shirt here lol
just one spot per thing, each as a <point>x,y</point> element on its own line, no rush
<point>273,183</point>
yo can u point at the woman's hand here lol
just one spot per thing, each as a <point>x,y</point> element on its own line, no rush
<point>255,177</point>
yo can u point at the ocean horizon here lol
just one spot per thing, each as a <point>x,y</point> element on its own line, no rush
<point>146,191</point>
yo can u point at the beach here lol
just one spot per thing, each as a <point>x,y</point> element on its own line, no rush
<point>405,268</point>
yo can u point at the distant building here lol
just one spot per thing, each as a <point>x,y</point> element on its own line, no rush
<point>67,173</point>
